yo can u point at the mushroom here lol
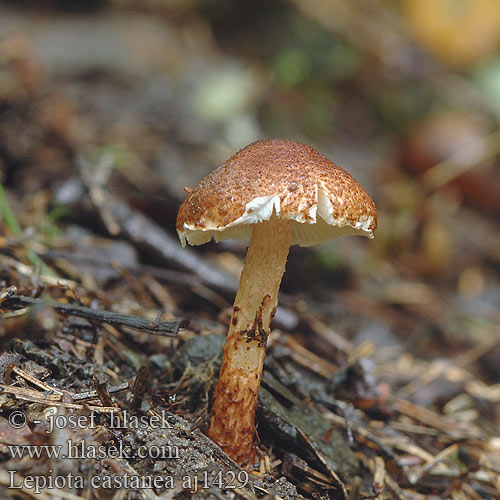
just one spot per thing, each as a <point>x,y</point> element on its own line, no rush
<point>280,193</point>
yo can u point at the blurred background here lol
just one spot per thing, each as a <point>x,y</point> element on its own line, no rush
<point>152,95</point>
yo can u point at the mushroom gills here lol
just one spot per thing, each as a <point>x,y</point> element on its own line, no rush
<point>305,232</point>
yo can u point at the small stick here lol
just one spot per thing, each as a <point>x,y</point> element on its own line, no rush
<point>114,389</point>
<point>331,473</point>
<point>379,475</point>
<point>139,388</point>
<point>88,395</point>
<point>35,381</point>
<point>7,294</point>
<point>355,493</point>
<point>102,392</point>
<point>23,393</point>
<point>164,328</point>
<point>446,453</point>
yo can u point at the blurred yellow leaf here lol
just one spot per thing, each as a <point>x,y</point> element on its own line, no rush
<point>460,32</point>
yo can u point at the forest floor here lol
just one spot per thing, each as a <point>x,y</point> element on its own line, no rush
<point>380,374</point>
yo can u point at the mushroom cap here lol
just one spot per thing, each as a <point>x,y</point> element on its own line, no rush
<point>277,176</point>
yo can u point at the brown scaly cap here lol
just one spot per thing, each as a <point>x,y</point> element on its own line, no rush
<point>287,177</point>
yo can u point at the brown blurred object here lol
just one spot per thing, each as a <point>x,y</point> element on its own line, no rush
<point>460,33</point>
<point>452,134</point>
<point>19,71</point>
<point>39,127</point>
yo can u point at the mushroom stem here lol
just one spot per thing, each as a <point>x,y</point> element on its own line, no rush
<point>233,412</point>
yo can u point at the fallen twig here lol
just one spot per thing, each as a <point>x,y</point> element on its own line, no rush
<point>156,327</point>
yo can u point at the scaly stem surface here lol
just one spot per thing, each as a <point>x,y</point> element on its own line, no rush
<point>232,420</point>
